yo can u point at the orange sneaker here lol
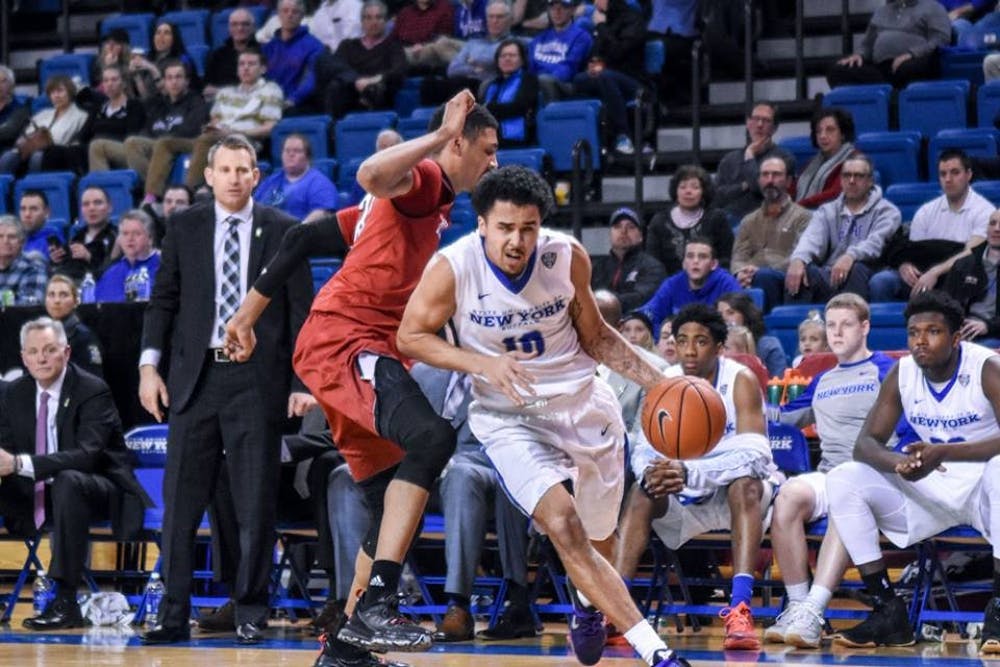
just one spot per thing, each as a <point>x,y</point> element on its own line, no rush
<point>740,632</point>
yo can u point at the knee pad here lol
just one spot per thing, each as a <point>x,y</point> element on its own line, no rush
<point>428,450</point>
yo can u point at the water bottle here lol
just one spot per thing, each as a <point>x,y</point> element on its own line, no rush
<point>130,285</point>
<point>154,595</point>
<point>42,592</point>
<point>87,288</point>
<point>143,285</point>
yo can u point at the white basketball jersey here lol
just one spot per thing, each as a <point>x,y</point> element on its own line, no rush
<point>725,384</point>
<point>957,412</point>
<point>495,314</point>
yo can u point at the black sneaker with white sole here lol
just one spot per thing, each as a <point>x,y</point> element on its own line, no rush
<point>381,628</point>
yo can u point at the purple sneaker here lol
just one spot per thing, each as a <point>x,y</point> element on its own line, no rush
<point>668,658</point>
<point>587,634</point>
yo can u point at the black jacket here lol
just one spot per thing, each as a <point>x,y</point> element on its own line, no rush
<point>967,282</point>
<point>639,275</point>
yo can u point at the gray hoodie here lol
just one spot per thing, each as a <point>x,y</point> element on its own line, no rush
<point>834,230</point>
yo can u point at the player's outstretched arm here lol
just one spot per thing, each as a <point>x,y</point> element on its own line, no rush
<point>597,338</point>
<point>430,307</point>
<point>879,426</point>
<point>388,173</point>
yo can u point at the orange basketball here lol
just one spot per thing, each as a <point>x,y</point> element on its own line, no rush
<point>683,417</point>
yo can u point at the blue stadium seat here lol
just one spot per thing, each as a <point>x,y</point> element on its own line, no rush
<point>315,128</point>
<point>987,103</point>
<point>655,56</point>
<point>6,183</point>
<point>408,97</point>
<point>908,197</point>
<point>73,65</point>
<point>990,190</point>
<point>868,104</point>
<point>411,128</point>
<point>219,23</point>
<point>532,158</point>
<point>975,141</point>
<point>138,26</point>
<point>789,448</point>
<point>178,172</point>
<point>39,103</point>
<point>562,124</point>
<point>929,106</point>
<point>347,186</point>
<point>57,186</point>
<point>801,148</point>
<point>199,55</point>
<point>963,64</point>
<point>323,269</point>
<point>355,133</point>
<point>423,112</point>
<point>118,183</point>
<point>192,24</point>
<point>895,155</point>
<point>463,220</point>
<point>327,166</point>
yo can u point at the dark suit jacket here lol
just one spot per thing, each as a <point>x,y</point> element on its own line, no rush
<point>181,310</point>
<point>90,440</point>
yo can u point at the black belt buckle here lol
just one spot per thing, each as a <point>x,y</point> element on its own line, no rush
<point>219,355</point>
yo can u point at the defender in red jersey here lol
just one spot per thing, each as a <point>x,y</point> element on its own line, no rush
<point>393,441</point>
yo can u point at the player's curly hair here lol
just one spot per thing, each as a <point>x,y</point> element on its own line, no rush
<point>519,185</point>
<point>936,301</point>
<point>705,315</point>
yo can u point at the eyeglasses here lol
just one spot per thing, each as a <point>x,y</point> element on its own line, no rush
<point>854,175</point>
<point>766,120</point>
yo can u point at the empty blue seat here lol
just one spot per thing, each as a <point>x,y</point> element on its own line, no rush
<point>990,190</point>
<point>655,56</point>
<point>192,24</point>
<point>975,141</point>
<point>316,130</point>
<point>327,166</point>
<point>929,106</point>
<point>199,55</point>
<point>463,220</point>
<point>6,183</point>
<point>323,269</point>
<point>355,133</point>
<point>58,188</point>
<point>411,128</point>
<point>987,103</point>
<point>963,64</point>
<point>179,170</point>
<point>219,23</point>
<point>801,148</point>
<point>408,97</point>
<point>138,26</point>
<point>73,65</point>
<point>533,158</point>
<point>895,155</point>
<point>120,185</point>
<point>347,185</point>
<point>562,124</point>
<point>868,104</point>
<point>908,197</point>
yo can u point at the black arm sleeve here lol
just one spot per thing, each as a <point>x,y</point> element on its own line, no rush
<point>321,238</point>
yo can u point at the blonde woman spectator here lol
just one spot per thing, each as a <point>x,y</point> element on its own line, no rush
<point>739,340</point>
<point>62,121</point>
<point>638,330</point>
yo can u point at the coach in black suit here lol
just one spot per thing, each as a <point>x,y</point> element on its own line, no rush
<point>63,463</point>
<point>211,255</point>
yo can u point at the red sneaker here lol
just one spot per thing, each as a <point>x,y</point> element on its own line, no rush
<point>615,637</point>
<point>740,632</point>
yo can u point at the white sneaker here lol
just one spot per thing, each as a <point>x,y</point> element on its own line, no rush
<point>776,633</point>
<point>806,628</point>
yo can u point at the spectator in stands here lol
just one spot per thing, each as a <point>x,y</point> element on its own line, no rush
<point>666,345</point>
<point>131,277</point>
<point>147,72</point>
<point>14,114</point>
<point>298,188</point>
<point>738,309</point>
<point>899,46</point>
<point>628,271</point>
<point>812,336</point>
<point>425,28</point>
<point>114,50</point>
<point>616,65</point>
<point>972,281</point>
<point>991,67</point>
<point>737,190</point>
<point>512,96</point>
<point>63,434</point>
<point>559,53</point>
<point>336,20</point>
<point>765,239</point>
<point>691,215</point>
<point>176,198</point>
<point>739,340</point>
<point>90,246</point>
<point>251,108</point>
<point>364,73</point>
<point>700,281</point>
<point>177,112</point>
<point>638,330</point>
<point>470,20</point>
<point>266,32</point>
<point>61,299</point>
<point>832,132</point>
<point>58,125</point>
<point>33,210</point>
<point>291,55</point>
<point>970,19</point>
<point>222,66</point>
<point>942,231</point>
<point>531,17</point>
<point>475,63</point>
<point>676,24</point>
<point>22,277</point>
<point>112,117</point>
<point>844,239</point>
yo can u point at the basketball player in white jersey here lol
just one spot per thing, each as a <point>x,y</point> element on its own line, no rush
<point>729,488</point>
<point>949,392</point>
<point>530,336</point>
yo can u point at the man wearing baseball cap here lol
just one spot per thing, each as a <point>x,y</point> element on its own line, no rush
<point>628,271</point>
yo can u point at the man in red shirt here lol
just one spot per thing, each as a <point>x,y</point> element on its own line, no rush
<point>393,441</point>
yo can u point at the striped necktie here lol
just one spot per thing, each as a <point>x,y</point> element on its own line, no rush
<point>230,275</point>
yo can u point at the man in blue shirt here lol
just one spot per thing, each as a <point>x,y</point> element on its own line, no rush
<point>298,188</point>
<point>34,215</point>
<point>131,277</point>
<point>558,53</point>
<point>291,55</point>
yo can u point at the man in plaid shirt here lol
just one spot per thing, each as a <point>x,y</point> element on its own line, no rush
<point>22,278</point>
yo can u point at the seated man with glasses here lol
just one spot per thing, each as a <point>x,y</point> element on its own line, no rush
<point>840,249</point>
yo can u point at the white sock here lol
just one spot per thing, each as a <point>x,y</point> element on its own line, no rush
<point>644,640</point>
<point>584,601</point>
<point>797,592</point>
<point>819,597</point>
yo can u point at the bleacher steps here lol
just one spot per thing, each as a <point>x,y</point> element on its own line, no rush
<point>720,137</point>
<point>827,8</point>
<point>816,46</point>
<point>621,189</point>
<point>776,90</point>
